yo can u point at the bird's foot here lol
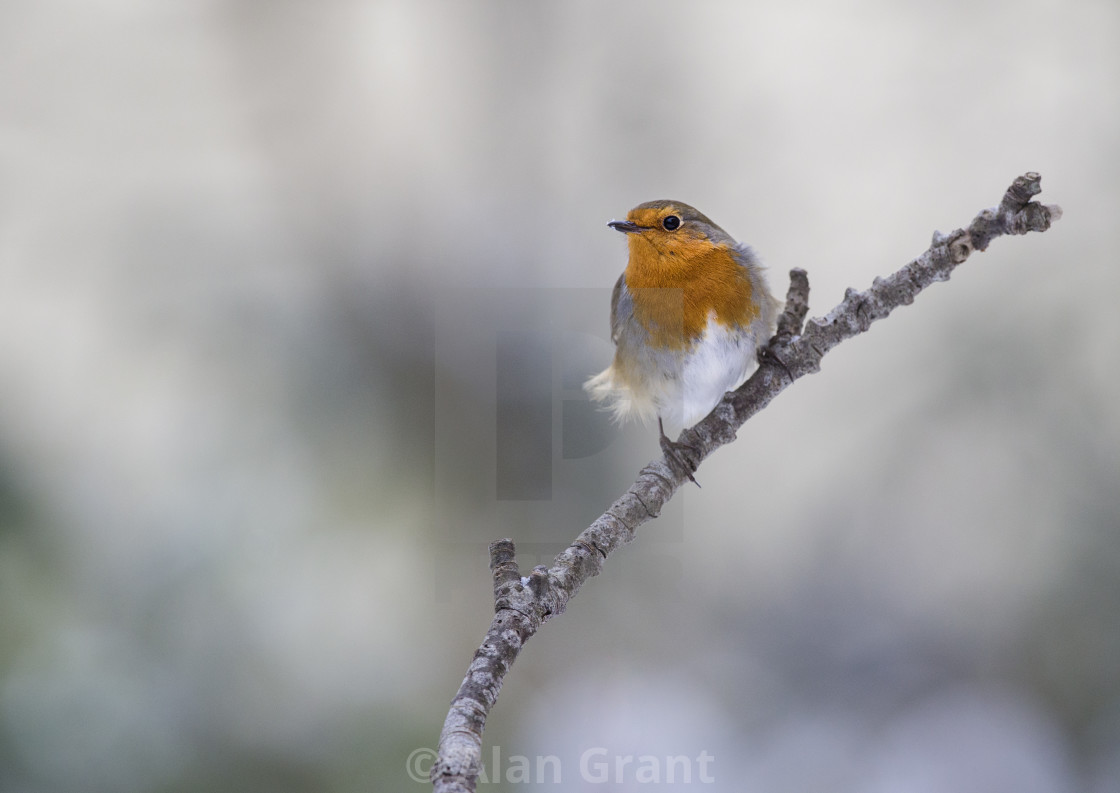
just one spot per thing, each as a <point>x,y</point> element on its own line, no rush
<point>682,457</point>
<point>768,353</point>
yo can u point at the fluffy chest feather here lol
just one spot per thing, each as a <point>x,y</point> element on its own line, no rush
<point>681,385</point>
<point>675,296</point>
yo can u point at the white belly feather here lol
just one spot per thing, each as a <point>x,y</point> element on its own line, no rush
<point>682,390</point>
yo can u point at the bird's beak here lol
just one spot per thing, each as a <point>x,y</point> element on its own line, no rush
<point>627,226</point>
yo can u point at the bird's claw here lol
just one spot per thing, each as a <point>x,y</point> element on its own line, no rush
<point>768,353</point>
<point>682,457</point>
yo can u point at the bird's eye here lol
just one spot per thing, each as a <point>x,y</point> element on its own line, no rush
<point>671,223</point>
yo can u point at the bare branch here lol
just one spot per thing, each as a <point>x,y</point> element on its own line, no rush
<point>523,604</point>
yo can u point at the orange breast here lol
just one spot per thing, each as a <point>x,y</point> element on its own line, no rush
<point>676,290</point>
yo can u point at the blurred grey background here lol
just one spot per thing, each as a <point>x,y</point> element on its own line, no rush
<point>282,283</point>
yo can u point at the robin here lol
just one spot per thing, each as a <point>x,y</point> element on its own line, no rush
<point>687,318</point>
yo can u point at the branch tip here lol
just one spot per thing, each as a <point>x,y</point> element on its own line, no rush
<point>1021,191</point>
<point>503,563</point>
<point>797,304</point>
<point>501,551</point>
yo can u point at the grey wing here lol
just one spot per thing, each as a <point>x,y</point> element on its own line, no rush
<point>622,307</point>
